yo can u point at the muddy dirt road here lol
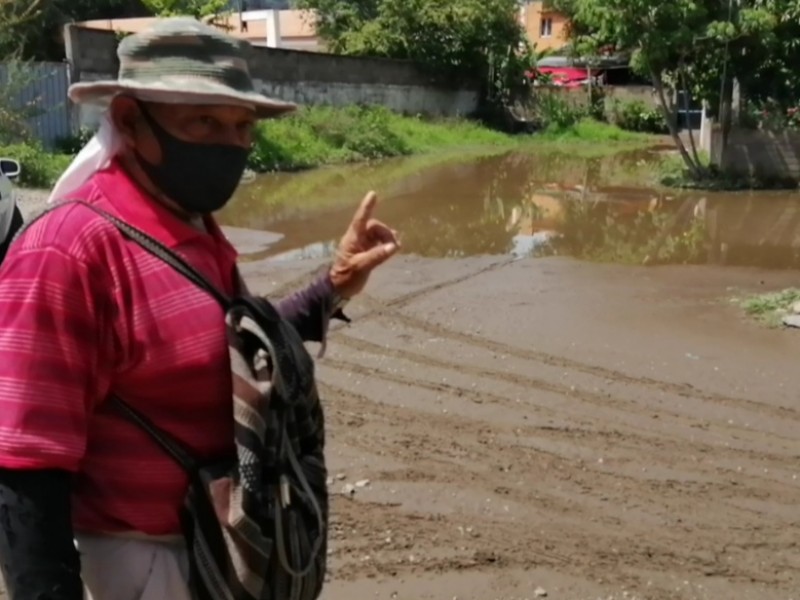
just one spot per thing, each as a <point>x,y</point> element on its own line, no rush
<point>593,431</point>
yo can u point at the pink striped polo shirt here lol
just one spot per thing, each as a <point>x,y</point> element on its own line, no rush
<point>84,312</point>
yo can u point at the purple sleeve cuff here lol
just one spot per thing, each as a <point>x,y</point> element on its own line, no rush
<point>311,309</point>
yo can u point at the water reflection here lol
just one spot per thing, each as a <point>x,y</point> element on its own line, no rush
<point>521,204</point>
<point>754,229</point>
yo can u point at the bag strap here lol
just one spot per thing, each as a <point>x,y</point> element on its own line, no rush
<point>168,443</point>
<point>160,251</point>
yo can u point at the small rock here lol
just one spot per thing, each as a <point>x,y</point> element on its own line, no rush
<point>362,483</point>
<point>348,489</point>
<point>792,321</point>
<point>540,592</point>
<point>341,476</point>
<point>329,481</point>
<point>796,308</point>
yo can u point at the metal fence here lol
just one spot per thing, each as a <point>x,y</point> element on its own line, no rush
<point>41,88</point>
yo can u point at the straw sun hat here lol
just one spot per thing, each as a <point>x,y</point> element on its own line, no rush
<point>182,61</point>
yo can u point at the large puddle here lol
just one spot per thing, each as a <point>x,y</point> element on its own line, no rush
<point>531,203</point>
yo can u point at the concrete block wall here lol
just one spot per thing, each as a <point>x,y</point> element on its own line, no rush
<point>296,76</point>
<point>630,93</point>
<point>763,154</point>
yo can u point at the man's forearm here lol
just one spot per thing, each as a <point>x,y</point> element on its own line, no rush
<point>310,309</point>
<point>37,552</point>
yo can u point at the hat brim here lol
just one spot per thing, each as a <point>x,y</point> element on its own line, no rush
<point>191,92</point>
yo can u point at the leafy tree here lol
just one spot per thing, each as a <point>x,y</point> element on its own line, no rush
<point>194,8</point>
<point>455,39</point>
<point>696,45</point>
<point>31,29</point>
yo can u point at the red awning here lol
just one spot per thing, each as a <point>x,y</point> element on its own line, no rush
<point>566,76</point>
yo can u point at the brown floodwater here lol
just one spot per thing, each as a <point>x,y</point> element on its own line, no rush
<point>520,204</point>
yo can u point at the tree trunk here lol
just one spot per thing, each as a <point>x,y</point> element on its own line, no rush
<point>725,114</point>
<point>658,84</point>
<point>692,144</point>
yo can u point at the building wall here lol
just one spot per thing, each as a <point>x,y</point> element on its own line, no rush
<point>303,77</point>
<point>763,154</point>
<point>297,29</point>
<point>42,87</point>
<point>579,97</point>
<point>546,29</point>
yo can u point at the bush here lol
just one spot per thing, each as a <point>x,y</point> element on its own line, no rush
<point>40,169</point>
<point>318,135</point>
<point>556,111</point>
<point>637,116</point>
<point>72,144</point>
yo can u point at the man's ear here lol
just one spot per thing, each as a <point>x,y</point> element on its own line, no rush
<point>125,115</point>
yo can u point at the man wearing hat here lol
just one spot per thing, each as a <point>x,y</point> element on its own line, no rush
<point>86,313</point>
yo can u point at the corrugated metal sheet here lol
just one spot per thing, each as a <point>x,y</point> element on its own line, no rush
<point>45,90</point>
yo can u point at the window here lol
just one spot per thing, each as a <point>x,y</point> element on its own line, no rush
<point>546,27</point>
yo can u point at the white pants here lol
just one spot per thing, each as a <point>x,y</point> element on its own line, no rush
<point>121,568</point>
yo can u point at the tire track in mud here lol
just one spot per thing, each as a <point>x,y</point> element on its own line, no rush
<point>417,442</point>
<point>377,308</point>
<point>680,451</point>
<point>683,390</point>
<point>600,400</point>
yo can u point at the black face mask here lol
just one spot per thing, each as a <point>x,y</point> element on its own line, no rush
<point>200,178</point>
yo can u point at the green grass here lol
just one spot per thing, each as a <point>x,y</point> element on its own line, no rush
<point>589,130</point>
<point>40,169</point>
<point>771,307</point>
<point>316,136</point>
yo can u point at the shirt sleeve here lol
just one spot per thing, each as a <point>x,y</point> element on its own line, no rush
<point>311,309</point>
<point>51,345</point>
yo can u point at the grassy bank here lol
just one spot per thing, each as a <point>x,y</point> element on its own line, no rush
<point>318,136</point>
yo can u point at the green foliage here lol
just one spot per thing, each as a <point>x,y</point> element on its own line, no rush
<point>590,130</point>
<point>700,46</point>
<point>321,135</point>
<point>17,17</point>
<point>72,144</point>
<point>478,40</point>
<point>771,115</point>
<point>557,110</point>
<point>194,8</point>
<point>15,113</point>
<point>31,29</point>
<point>771,307</point>
<point>755,41</point>
<point>40,169</point>
<point>637,116</point>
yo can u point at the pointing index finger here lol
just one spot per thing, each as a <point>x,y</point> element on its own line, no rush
<point>364,212</point>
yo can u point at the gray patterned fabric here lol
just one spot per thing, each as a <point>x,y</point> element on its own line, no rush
<point>182,60</point>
